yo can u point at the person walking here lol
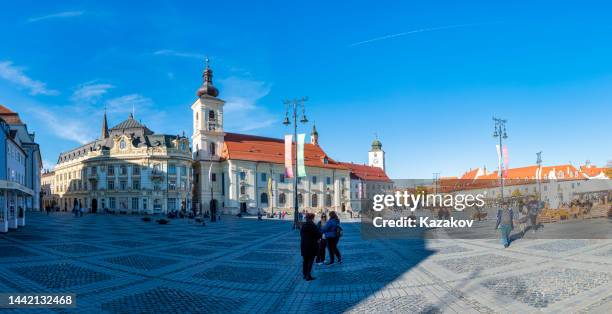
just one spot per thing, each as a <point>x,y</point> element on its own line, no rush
<point>332,232</point>
<point>323,243</point>
<point>505,224</point>
<point>309,245</point>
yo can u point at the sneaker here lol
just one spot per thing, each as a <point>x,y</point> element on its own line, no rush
<point>340,261</point>
<point>319,263</point>
<point>329,264</point>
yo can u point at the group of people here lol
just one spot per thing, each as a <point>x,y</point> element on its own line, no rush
<point>78,210</point>
<point>527,214</point>
<point>315,238</point>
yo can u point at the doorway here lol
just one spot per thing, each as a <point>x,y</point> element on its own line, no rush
<point>243,207</point>
<point>94,206</point>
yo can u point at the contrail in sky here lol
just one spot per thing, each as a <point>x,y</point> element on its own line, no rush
<point>420,30</point>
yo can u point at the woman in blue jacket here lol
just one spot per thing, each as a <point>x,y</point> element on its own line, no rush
<point>331,232</point>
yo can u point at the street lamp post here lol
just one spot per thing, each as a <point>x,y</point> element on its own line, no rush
<point>500,131</point>
<point>296,104</point>
<point>539,162</point>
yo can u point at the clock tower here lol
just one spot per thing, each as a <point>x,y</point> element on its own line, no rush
<point>207,120</point>
<point>376,156</point>
<point>207,140</point>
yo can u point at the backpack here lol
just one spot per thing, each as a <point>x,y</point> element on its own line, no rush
<point>339,231</point>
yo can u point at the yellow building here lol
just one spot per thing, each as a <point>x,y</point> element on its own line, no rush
<point>129,169</point>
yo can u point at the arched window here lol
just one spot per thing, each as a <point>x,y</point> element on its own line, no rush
<point>300,199</point>
<point>328,200</point>
<point>263,198</point>
<point>212,122</point>
<point>314,200</point>
<point>213,149</point>
<point>243,190</point>
<point>282,199</point>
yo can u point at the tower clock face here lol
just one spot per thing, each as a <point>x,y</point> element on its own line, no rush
<point>375,160</point>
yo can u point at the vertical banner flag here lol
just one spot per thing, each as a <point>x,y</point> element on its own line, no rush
<point>499,160</point>
<point>210,174</point>
<point>270,196</point>
<point>301,168</point>
<point>505,151</point>
<point>288,156</point>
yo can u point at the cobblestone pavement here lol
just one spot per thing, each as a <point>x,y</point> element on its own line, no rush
<point>120,264</point>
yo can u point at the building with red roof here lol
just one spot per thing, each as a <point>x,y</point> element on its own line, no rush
<point>366,181</point>
<point>556,184</point>
<point>241,173</point>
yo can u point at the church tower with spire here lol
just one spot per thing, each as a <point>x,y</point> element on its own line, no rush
<point>314,136</point>
<point>207,140</point>
<point>104,126</point>
<point>207,120</point>
<point>376,156</point>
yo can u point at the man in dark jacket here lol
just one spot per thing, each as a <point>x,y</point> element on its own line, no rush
<point>309,245</point>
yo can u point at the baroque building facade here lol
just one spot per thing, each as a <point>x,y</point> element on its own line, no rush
<point>241,173</point>
<point>129,169</point>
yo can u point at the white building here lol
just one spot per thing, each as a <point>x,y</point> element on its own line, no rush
<point>245,173</point>
<point>556,185</point>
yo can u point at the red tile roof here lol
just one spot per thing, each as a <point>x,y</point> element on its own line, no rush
<point>515,176</point>
<point>529,172</point>
<point>9,116</point>
<point>470,175</point>
<point>593,171</point>
<point>266,149</point>
<point>365,172</point>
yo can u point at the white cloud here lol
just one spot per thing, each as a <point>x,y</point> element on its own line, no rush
<point>47,164</point>
<point>63,125</point>
<point>242,112</point>
<point>89,93</point>
<point>65,14</point>
<point>182,54</point>
<point>15,75</point>
<point>130,102</point>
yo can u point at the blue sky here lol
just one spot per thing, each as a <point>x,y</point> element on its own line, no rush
<point>425,76</point>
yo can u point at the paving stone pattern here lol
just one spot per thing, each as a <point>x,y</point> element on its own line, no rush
<point>120,264</point>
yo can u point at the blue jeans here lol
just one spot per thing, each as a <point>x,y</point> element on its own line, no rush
<point>504,234</point>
